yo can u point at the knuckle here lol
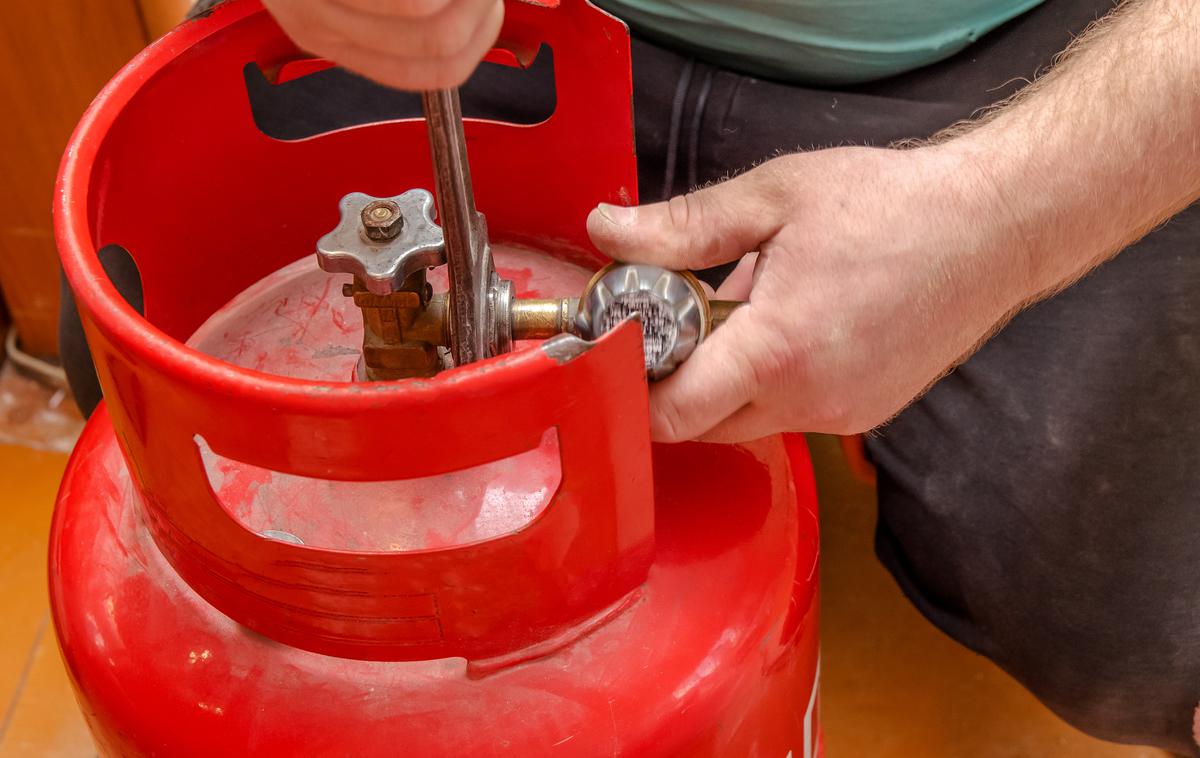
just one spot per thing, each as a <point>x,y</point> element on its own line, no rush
<point>421,75</point>
<point>844,424</point>
<point>685,210</point>
<point>447,37</point>
<point>749,377</point>
<point>768,359</point>
<point>401,75</point>
<point>835,414</point>
<point>766,369</point>
<point>330,43</point>
<point>300,27</point>
<point>684,217</point>
<point>312,32</point>
<point>420,8</point>
<point>775,179</point>
<point>819,418</point>
<point>454,71</point>
<point>667,423</point>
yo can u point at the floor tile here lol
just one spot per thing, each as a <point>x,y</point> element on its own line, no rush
<point>45,721</point>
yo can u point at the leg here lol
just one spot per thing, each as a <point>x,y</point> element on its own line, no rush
<point>72,345</point>
<point>1039,505</point>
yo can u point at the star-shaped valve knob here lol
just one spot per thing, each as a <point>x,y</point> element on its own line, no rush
<point>383,241</point>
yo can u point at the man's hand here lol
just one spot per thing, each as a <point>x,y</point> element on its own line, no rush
<point>873,277</point>
<point>880,269</point>
<point>407,44</point>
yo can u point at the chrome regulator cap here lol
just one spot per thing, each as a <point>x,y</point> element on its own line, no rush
<point>673,308</point>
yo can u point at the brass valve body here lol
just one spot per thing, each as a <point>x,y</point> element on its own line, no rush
<point>402,331</point>
<point>406,333</point>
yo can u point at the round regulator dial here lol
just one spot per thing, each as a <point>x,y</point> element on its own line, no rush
<point>673,308</point>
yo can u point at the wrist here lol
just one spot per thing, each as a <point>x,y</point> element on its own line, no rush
<point>990,233</point>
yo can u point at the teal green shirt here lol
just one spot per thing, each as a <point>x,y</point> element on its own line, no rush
<point>818,41</point>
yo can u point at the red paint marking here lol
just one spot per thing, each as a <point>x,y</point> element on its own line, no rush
<point>521,279</point>
<point>339,320</point>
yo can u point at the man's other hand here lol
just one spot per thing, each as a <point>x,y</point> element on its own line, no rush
<point>407,44</point>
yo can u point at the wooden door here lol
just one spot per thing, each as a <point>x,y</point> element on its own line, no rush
<point>162,15</point>
<point>54,57</point>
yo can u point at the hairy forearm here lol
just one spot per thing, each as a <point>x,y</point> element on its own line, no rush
<point>1096,153</point>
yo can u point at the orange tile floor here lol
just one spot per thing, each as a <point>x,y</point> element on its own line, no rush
<point>893,687</point>
<point>40,715</point>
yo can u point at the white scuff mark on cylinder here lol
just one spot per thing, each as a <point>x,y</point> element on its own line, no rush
<point>728,639</point>
<point>505,509</point>
<point>810,726</point>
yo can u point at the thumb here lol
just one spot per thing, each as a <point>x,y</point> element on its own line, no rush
<point>697,230</point>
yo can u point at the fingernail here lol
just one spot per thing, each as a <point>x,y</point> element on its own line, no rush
<point>618,215</point>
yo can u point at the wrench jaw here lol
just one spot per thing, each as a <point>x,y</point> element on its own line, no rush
<point>472,274</point>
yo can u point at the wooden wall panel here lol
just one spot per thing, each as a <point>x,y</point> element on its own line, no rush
<point>54,56</point>
<point>163,15</point>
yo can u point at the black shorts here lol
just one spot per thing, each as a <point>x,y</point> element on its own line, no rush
<point>1040,504</point>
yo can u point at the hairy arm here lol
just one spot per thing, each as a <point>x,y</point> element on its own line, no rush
<point>878,270</point>
<point>1103,148</point>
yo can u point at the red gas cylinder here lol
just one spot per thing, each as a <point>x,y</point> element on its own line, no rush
<point>252,555</point>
